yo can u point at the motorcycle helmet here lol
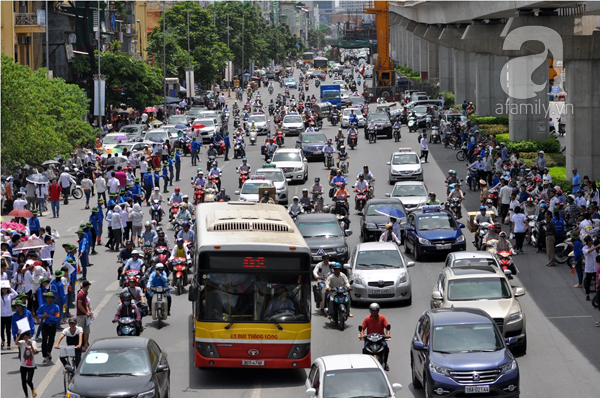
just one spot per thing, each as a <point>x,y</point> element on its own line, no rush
<point>136,253</point>
<point>544,205</point>
<point>183,224</point>
<point>342,148</point>
<point>374,307</point>
<point>156,189</point>
<point>489,202</point>
<point>132,279</point>
<point>453,172</point>
<point>186,197</point>
<point>432,194</point>
<point>295,199</point>
<point>126,298</point>
<point>148,223</point>
<point>244,160</point>
<point>530,199</point>
<point>160,266</point>
<point>317,180</point>
<point>339,172</point>
<point>179,240</point>
<point>305,190</point>
<point>216,163</point>
<point>337,265</point>
<point>503,234</point>
<point>482,208</point>
<point>389,226</point>
<point>184,205</point>
<point>177,189</point>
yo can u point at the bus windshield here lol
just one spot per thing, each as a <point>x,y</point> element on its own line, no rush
<point>254,297</point>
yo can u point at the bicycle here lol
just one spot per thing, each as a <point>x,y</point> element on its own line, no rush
<point>68,353</point>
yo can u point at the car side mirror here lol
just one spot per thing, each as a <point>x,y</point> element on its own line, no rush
<point>511,341</point>
<point>311,392</point>
<point>236,192</point>
<point>193,293</point>
<point>461,225</point>
<point>348,232</point>
<point>387,194</point>
<point>507,272</point>
<point>388,163</point>
<point>298,142</point>
<point>396,387</point>
<point>519,291</point>
<point>347,266</point>
<point>436,295</point>
<point>418,346</point>
<point>162,368</point>
<point>409,228</point>
<point>410,264</point>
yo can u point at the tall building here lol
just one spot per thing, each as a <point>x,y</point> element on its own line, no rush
<point>326,8</point>
<point>352,6</point>
<point>23,31</point>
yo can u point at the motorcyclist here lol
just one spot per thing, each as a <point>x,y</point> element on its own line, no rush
<point>222,196</point>
<point>148,235</point>
<point>328,149</point>
<point>321,272</point>
<point>266,198</point>
<point>376,323</point>
<point>161,240</point>
<point>492,234</point>
<point>271,147</point>
<point>127,308</point>
<point>126,253</point>
<point>504,244</point>
<point>295,208</point>
<point>200,180</point>
<point>482,217</point>
<point>352,118</point>
<point>456,192</point>
<point>243,167</point>
<point>156,195</point>
<point>342,194</point>
<point>184,214</point>
<point>388,235</point>
<point>336,279</point>
<point>180,250</point>
<point>305,199</point>
<point>176,197</point>
<point>371,126</point>
<point>490,206</point>
<point>343,155</point>
<point>211,152</point>
<point>352,132</point>
<point>361,183</point>
<point>135,291</point>
<point>432,201</point>
<point>135,263</point>
<point>338,178</point>
<point>397,124</point>
<point>186,233</point>
<point>159,278</point>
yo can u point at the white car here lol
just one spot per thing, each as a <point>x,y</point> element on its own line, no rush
<point>208,131</point>
<point>405,165</point>
<point>340,82</point>
<point>412,194</point>
<point>292,162</point>
<point>278,178</point>
<point>451,117</point>
<point>292,124</point>
<point>133,131</point>
<point>110,140</point>
<point>178,119</point>
<point>346,117</point>
<point>210,115</point>
<point>156,135</point>
<point>250,191</point>
<point>349,375</point>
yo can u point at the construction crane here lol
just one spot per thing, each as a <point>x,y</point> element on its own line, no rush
<point>384,65</point>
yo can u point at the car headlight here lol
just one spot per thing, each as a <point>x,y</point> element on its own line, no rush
<point>441,370</point>
<point>281,189</point>
<point>371,225</point>
<point>147,394</point>
<point>424,241</point>
<point>403,278</point>
<point>418,171</point>
<point>297,168</point>
<point>460,239</point>
<point>514,317</point>
<point>342,249</point>
<point>358,280</point>
<point>508,367</point>
<point>387,124</point>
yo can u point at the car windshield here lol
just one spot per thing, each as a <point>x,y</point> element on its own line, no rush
<point>292,119</point>
<point>130,130</point>
<point>212,115</point>
<point>116,362</point>
<point>330,94</point>
<point>111,139</point>
<point>420,109</point>
<point>373,259</point>
<point>251,188</point>
<point>178,119</point>
<point>347,111</point>
<point>205,122</point>
<point>478,289</point>
<point>356,99</point>
<point>372,207</point>
<point>286,157</point>
<point>290,80</point>
<point>454,118</point>
<point>313,138</point>
<point>160,134</point>
<point>405,158</point>
<point>473,262</point>
<point>345,92</point>
<point>123,146</point>
<point>379,117</point>
<point>257,119</point>
<point>275,176</point>
<point>349,383</point>
<point>466,338</point>
<point>409,190</point>
<point>436,221</point>
<point>319,229</point>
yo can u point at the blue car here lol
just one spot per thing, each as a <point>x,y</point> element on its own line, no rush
<point>432,230</point>
<point>460,352</point>
<point>312,144</point>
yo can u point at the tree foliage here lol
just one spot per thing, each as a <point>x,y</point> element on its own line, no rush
<point>41,117</point>
<point>208,55</point>
<point>316,38</point>
<point>128,80</point>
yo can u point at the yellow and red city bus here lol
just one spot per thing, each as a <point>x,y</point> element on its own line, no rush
<point>251,290</point>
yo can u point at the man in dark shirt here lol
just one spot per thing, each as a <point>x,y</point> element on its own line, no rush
<point>550,231</point>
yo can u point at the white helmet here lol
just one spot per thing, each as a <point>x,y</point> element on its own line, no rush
<point>374,307</point>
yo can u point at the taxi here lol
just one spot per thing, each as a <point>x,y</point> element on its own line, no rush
<point>405,165</point>
<point>432,230</point>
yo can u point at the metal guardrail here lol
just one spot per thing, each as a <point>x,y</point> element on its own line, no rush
<point>26,19</point>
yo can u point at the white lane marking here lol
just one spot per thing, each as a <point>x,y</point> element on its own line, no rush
<point>569,316</point>
<point>256,391</point>
<point>112,286</point>
<point>58,365</point>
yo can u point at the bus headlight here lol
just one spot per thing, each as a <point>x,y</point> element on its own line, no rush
<point>207,350</point>
<point>299,351</point>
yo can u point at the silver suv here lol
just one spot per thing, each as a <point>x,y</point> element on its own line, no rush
<point>292,124</point>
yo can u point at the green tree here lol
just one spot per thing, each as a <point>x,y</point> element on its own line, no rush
<point>128,80</point>
<point>208,55</point>
<point>41,117</point>
<point>316,38</point>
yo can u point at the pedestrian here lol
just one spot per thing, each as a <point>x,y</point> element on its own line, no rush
<point>30,196</point>
<point>424,147</point>
<point>577,257</point>
<point>227,145</point>
<point>504,194</point>
<point>590,253</point>
<point>575,182</point>
<point>157,178</point>
<point>125,210</point>
<point>83,255</point>
<point>165,176</point>
<point>65,181</point>
<point>43,289</point>
<point>95,228</point>
<point>519,228</point>
<point>109,214</point>
<point>58,289</point>
<point>54,192</point>
<point>148,186</point>
<point>8,294</point>
<point>41,192</point>
<point>136,191</point>
<point>177,163</point>
<point>86,185</point>
<point>113,184</point>
<point>136,216</point>
<point>101,187</point>
<point>84,312</point>
<point>549,232</point>
<point>118,227</point>
<point>34,223</point>
<point>195,148</point>
<point>27,347</point>
<point>171,162</point>
<point>49,313</point>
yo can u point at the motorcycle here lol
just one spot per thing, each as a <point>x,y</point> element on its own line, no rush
<point>454,205</point>
<point>353,141</point>
<point>482,231</point>
<point>412,124</point>
<point>507,264</point>
<point>159,305</point>
<point>210,162</point>
<point>221,147</point>
<point>161,255</point>
<point>396,133</point>
<point>340,207</point>
<point>372,136</point>
<point>317,83</point>
<point>317,199</point>
<point>473,179</point>
<point>271,110</point>
<point>253,137</point>
<point>294,214</point>
<point>179,266</point>
<point>279,138</point>
<point>334,119</point>
<point>375,346</point>
<point>173,210</point>
<point>435,137</point>
<point>236,122</point>
<point>493,196</point>
<point>532,231</point>
<point>361,199</point>
<point>343,166</point>
<point>126,327</point>
<point>339,142</point>
<point>198,194</point>
<point>270,90</point>
<point>156,211</point>
<point>461,155</point>
<point>185,146</point>
<point>328,160</point>
<point>210,193</point>
<point>562,250</point>
<point>237,150</point>
<point>341,300</point>
<point>125,275</point>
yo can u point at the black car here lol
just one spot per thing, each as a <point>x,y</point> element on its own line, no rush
<point>122,367</point>
<point>312,144</point>
<point>323,234</point>
<point>372,223</point>
<point>383,124</point>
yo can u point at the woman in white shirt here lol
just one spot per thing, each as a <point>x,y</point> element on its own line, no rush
<point>519,228</point>
<point>86,185</point>
<point>101,187</point>
<point>118,228</point>
<point>8,294</point>
<point>590,253</point>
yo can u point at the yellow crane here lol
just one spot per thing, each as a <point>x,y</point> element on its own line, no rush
<point>384,65</point>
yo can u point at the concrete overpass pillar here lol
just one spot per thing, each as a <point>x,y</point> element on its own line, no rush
<point>423,55</point>
<point>446,69</point>
<point>490,99</point>
<point>406,48</point>
<point>415,63</point>
<point>527,118</point>
<point>433,62</point>
<point>582,110</point>
<point>464,75</point>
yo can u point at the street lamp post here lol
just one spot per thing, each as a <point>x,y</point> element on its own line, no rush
<point>189,76</point>
<point>164,62</point>
<point>140,37</point>
<point>229,64</point>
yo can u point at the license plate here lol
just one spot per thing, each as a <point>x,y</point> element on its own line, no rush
<point>476,389</point>
<point>317,152</point>
<point>444,247</point>
<point>251,362</point>
<point>317,258</point>
<point>383,291</point>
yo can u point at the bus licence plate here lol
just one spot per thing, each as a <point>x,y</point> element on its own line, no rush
<point>476,389</point>
<point>251,362</point>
